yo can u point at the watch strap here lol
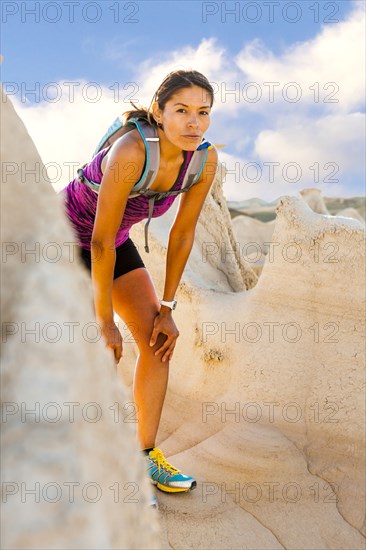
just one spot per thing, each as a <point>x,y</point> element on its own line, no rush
<point>172,304</point>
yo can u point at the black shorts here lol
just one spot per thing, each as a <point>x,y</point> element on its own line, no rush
<point>127,258</point>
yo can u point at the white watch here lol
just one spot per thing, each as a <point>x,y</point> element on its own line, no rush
<point>172,304</point>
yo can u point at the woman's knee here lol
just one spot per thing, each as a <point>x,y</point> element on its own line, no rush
<point>143,343</point>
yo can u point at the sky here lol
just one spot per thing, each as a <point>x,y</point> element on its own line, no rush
<point>288,76</point>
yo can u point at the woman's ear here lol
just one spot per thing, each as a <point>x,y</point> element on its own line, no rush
<point>156,111</point>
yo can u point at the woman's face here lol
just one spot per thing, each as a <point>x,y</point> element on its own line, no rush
<point>186,117</point>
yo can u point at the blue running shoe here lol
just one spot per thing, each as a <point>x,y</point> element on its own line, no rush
<point>165,476</point>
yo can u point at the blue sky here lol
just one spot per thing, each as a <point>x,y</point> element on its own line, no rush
<point>310,133</point>
<point>81,48</point>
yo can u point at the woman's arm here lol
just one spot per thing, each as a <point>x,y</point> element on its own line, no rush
<point>123,166</point>
<point>181,238</point>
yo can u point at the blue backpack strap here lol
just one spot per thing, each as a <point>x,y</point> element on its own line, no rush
<point>196,164</point>
<point>150,138</point>
<point>112,131</point>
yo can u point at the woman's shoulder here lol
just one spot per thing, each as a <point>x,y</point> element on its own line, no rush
<point>131,142</point>
<point>129,147</point>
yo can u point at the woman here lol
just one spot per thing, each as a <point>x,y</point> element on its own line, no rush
<point>180,110</point>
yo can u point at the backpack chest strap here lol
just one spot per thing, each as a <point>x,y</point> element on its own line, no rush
<point>153,196</point>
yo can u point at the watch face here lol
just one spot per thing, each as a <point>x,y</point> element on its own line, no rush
<point>174,304</point>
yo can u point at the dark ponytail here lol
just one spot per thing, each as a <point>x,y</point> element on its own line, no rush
<point>173,82</point>
<point>140,113</point>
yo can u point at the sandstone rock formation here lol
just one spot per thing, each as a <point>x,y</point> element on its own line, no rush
<point>254,238</point>
<point>265,404</point>
<point>351,213</point>
<point>313,197</point>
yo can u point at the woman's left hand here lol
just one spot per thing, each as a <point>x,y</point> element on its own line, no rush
<point>165,324</point>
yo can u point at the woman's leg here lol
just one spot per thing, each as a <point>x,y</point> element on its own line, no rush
<point>136,303</point>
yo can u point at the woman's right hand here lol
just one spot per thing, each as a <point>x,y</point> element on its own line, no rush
<point>112,338</point>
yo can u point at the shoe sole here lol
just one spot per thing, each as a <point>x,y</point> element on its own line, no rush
<point>166,489</point>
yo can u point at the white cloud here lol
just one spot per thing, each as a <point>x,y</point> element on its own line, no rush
<point>327,139</point>
<point>336,54</point>
<point>268,179</point>
<point>68,131</point>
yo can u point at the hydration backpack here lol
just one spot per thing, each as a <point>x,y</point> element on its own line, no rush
<point>150,138</point>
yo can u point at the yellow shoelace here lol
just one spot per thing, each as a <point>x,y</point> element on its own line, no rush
<point>161,461</point>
